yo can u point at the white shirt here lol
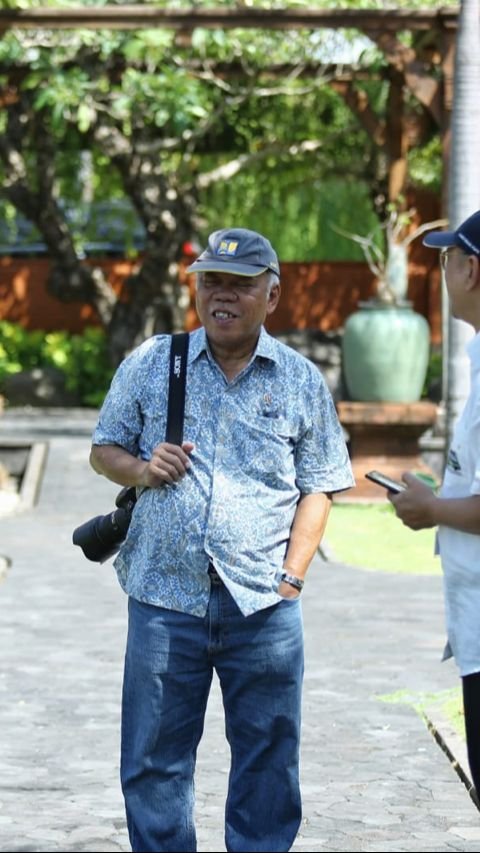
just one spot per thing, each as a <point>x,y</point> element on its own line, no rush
<point>459,551</point>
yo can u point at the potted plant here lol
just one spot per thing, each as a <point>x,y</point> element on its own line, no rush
<point>386,344</point>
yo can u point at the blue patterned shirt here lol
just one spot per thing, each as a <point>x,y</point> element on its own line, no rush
<point>261,441</point>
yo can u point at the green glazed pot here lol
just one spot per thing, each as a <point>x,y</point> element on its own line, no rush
<point>385,353</point>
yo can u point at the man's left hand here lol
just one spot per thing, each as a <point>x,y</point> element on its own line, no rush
<point>286,590</point>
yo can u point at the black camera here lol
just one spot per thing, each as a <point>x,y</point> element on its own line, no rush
<point>100,537</point>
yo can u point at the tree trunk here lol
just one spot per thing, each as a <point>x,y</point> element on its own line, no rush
<point>154,303</point>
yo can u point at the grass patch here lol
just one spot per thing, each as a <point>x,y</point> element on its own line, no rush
<point>372,537</point>
<point>452,708</point>
<point>449,702</point>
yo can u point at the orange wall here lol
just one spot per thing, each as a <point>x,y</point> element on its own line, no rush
<point>314,295</point>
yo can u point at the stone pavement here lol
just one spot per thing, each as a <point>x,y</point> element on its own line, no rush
<point>374,777</point>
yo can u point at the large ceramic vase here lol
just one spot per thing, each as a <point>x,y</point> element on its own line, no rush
<point>385,352</point>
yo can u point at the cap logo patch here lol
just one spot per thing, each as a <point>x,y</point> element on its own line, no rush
<point>228,247</point>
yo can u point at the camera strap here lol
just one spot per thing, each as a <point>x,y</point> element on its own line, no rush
<point>91,535</point>
<point>176,387</point>
<point>176,400</point>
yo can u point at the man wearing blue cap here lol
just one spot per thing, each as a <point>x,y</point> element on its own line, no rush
<point>456,509</point>
<point>217,552</point>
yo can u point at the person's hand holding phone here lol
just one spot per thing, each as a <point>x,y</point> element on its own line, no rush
<point>415,504</point>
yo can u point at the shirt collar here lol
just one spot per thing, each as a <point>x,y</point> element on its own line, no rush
<point>197,345</point>
<point>266,347</point>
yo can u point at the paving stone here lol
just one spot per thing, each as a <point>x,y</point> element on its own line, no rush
<point>373,776</point>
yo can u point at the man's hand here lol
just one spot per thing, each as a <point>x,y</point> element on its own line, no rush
<point>286,590</point>
<point>168,464</point>
<point>416,505</point>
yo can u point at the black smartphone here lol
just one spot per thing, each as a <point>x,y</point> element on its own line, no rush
<point>386,482</point>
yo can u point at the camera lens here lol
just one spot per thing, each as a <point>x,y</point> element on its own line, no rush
<point>112,528</point>
<point>101,536</point>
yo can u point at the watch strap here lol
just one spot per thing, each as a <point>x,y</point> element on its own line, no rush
<point>292,580</point>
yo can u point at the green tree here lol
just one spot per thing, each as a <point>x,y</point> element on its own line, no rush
<point>159,125</point>
<point>161,118</point>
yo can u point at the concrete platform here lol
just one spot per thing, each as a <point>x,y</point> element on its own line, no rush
<point>384,437</point>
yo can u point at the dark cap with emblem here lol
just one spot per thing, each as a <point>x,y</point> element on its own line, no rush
<point>237,251</point>
<point>466,236</point>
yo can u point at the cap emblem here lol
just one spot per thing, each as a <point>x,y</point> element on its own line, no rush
<point>228,247</point>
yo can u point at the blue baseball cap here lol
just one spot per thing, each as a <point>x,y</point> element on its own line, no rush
<point>237,251</point>
<point>466,236</point>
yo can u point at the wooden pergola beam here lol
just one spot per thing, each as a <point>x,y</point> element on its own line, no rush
<point>138,17</point>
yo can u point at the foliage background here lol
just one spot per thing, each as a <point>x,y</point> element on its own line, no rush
<point>295,200</point>
<point>83,359</point>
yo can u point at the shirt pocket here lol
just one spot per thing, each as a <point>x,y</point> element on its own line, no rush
<point>275,425</point>
<point>154,423</point>
<point>263,447</point>
<point>459,474</point>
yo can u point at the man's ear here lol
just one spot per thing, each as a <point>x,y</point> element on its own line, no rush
<point>273,298</point>
<point>473,280</point>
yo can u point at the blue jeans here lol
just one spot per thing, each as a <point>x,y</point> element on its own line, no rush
<point>169,664</point>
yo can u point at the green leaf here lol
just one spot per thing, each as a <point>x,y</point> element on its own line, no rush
<point>86,115</point>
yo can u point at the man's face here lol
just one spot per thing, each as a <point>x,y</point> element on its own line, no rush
<point>457,269</point>
<point>232,308</point>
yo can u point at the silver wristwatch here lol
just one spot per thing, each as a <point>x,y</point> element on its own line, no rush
<point>292,580</point>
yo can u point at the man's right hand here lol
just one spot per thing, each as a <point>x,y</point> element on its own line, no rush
<point>168,464</point>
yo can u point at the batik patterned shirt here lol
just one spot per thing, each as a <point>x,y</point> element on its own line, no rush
<point>261,441</point>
